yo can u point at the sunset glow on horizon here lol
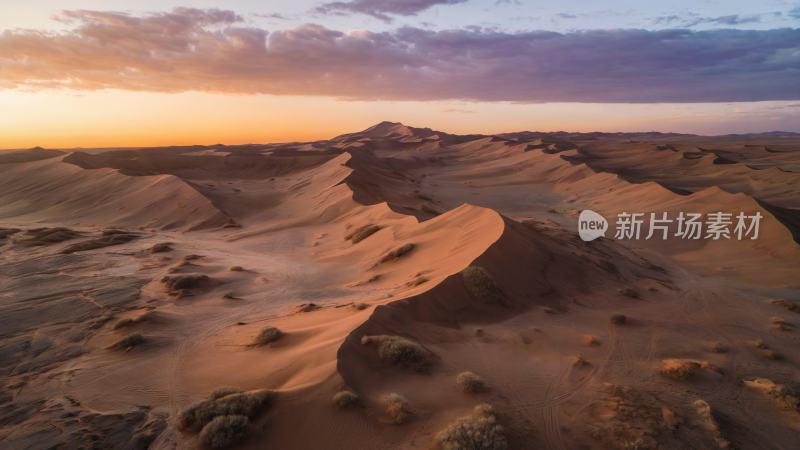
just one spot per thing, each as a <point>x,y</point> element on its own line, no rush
<point>82,73</point>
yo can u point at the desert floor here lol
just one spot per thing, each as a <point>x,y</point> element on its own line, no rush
<point>135,283</point>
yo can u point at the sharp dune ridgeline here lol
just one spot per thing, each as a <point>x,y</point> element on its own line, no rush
<point>400,288</point>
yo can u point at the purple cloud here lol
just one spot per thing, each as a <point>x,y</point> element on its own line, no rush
<point>382,9</point>
<point>188,49</point>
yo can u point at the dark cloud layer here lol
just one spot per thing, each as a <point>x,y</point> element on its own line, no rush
<point>382,9</point>
<point>189,49</point>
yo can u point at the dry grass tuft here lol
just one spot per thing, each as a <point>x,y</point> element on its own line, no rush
<point>236,269</point>
<point>619,319</point>
<point>362,233</point>
<point>580,361</point>
<point>630,293</point>
<point>346,399</point>
<point>791,306</point>
<point>399,351</point>
<point>224,431</point>
<point>307,307</point>
<point>360,306</point>
<point>163,247</point>
<point>785,396</point>
<point>396,407</point>
<point>478,431</point>
<point>480,284</point>
<point>417,281</point>
<point>590,340</point>
<point>267,336</point>
<point>471,383</point>
<point>36,237</point>
<point>679,369</point>
<point>107,240</point>
<point>760,344</point>
<point>249,404</point>
<point>128,342</point>
<point>397,253</point>
<point>186,281</point>
<point>780,324</point>
<point>718,347</point>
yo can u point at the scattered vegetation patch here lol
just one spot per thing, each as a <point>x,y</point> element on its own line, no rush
<point>791,306</point>
<point>397,409</point>
<point>760,344</point>
<point>186,282</point>
<point>580,361</point>
<point>307,307</point>
<point>471,383</point>
<point>362,233</point>
<point>630,293</point>
<point>709,422</point>
<point>401,352</point>
<point>785,396</point>
<point>224,431</point>
<point>480,284</point>
<point>360,306</point>
<point>249,404</point>
<point>417,281</point>
<point>778,323</point>
<point>679,369</point>
<point>619,319</point>
<point>590,340</point>
<point>128,342</point>
<point>267,336</point>
<point>478,431</point>
<point>346,399</point>
<point>398,253</point>
<point>236,269</point>
<point>163,247</point>
<point>718,347</point>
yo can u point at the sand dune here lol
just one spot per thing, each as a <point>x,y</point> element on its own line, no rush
<point>443,271</point>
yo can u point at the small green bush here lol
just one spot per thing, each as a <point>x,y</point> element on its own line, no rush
<point>470,383</point>
<point>397,408</point>
<point>478,431</point>
<point>362,233</point>
<point>399,351</point>
<point>480,284</point>
<point>346,399</point>
<point>224,431</point>
<point>267,335</point>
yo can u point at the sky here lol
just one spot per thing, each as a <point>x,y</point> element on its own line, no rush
<point>102,73</point>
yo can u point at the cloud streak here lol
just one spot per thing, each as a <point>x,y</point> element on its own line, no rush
<point>210,50</point>
<point>382,9</point>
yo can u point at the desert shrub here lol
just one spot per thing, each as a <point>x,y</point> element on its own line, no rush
<point>360,306</point>
<point>718,347</point>
<point>248,404</point>
<point>224,392</point>
<point>187,281</point>
<point>791,306</point>
<point>478,431</point>
<point>470,382</point>
<point>224,431</point>
<point>399,351</point>
<point>161,247</point>
<point>480,284</point>
<point>307,307</point>
<point>107,240</point>
<point>760,344</point>
<point>128,342</point>
<point>417,281</point>
<point>780,324</point>
<point>362,233</point>
<point>236,269</point>
<point>678,369</point>
<point>786,397</point>
<point>396,407</point>
<point>44,236</point>
<point>619,319</point>
<point>267,335</point>
<point>346,399</point>
<point>398,252</point>
<point>580,361</point>
<point>591,340</point>
<point>630,293</point>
